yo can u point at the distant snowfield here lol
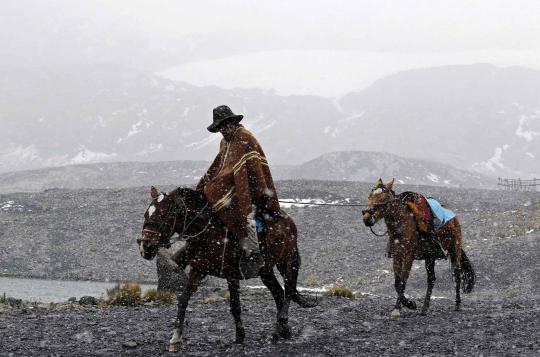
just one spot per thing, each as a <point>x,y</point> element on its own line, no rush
<point>310,202</point>
<point>324,288</point>
<point>327,73</point>
<point>11,206</point>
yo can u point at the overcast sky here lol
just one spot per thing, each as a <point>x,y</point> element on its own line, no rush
<point>315,47</point>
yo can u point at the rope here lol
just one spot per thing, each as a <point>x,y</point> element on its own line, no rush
<point>325,204</point>
<point>378,235</point>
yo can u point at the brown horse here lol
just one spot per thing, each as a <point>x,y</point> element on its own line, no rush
<point>210,251</point>
<point>408,244</point>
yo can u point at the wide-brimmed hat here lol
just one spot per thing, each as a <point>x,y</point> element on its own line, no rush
<point>223,114</point>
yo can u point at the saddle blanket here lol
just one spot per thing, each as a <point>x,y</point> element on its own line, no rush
<point>441,215</point>
<point>420,208</point>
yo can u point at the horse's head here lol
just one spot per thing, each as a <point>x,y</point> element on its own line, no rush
<point>159,223</point>
<point>379,198</point>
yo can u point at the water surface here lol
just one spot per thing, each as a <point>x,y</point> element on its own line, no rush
<point>43,290</point>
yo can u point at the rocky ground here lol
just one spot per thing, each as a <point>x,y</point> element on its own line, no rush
<point>90,234</point>
<point>336,327</point>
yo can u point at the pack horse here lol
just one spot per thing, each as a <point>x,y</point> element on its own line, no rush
<point>407,219</point>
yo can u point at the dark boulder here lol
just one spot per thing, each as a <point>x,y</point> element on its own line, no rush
<point>170,276</point>
<point>88,300</point>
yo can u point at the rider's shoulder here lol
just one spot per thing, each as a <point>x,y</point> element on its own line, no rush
<point>245,134</point>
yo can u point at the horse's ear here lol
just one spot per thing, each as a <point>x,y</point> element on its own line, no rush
<point>154,193</point>
<point>389,185</point>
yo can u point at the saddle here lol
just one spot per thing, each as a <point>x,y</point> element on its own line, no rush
<point>424,218</point>
<point>421,210</point>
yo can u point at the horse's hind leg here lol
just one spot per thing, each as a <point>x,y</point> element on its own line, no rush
<point>236,308</point>
<point>282,327</point>
<point>289,271</point>
<point>302,301</point>
<point>455,256</point>
<point>194,278</point>
<point>456,262</point>
<point>270,281</point>
<point>430,270</point>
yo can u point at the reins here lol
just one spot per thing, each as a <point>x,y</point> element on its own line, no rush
<point>186,226</point>
<point>378,235</point>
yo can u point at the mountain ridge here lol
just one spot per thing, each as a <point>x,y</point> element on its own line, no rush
<point>478,117</point>
<point>337,166</point>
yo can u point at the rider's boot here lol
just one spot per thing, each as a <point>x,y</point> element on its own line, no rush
<point>252,260</point>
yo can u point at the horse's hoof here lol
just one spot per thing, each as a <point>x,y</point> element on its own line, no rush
<point>411,305</point>
<point>457,308</point>
<point>395,314</point>
<point>424,312</point>
<point>282,331</point>
<point>175,347</point>
<point>286,332</point>
<point>240,338</point>
<point>307,302</point>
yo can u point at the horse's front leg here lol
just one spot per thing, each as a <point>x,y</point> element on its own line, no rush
<point>194,279</point>
<point>402,266</point>
<point>236,308</point>
<point>430,270</point>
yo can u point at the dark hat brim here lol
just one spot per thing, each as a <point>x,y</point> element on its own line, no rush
<point>215,126</point>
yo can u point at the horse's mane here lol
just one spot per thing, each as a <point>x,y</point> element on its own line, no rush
<point>193,197</point>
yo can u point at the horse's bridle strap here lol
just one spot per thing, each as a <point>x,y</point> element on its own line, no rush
<point>146,230</point>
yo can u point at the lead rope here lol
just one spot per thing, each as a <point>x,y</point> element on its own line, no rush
<point>325,204</point>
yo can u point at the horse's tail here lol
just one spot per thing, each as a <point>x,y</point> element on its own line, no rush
<point>468,276</point>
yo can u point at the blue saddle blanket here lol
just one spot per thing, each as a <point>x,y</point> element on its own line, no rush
<point>441,215</point>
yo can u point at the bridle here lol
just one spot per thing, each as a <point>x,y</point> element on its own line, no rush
<point>372,209</point>
<point>158,238</point>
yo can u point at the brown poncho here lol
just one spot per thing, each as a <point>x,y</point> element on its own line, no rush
<point>238,178</point>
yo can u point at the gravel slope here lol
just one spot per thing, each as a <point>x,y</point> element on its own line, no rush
<point>335,328</point>
<point>500,317</point>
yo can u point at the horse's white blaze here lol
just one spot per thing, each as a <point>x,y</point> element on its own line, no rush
<point>151,210</point>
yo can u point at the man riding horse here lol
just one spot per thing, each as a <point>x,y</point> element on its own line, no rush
<point>239,186</point>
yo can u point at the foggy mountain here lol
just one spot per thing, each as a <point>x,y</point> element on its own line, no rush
<point>369,166</point>
<point>337,166</point>
<point>477,117</point>
<point>58,116</point>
